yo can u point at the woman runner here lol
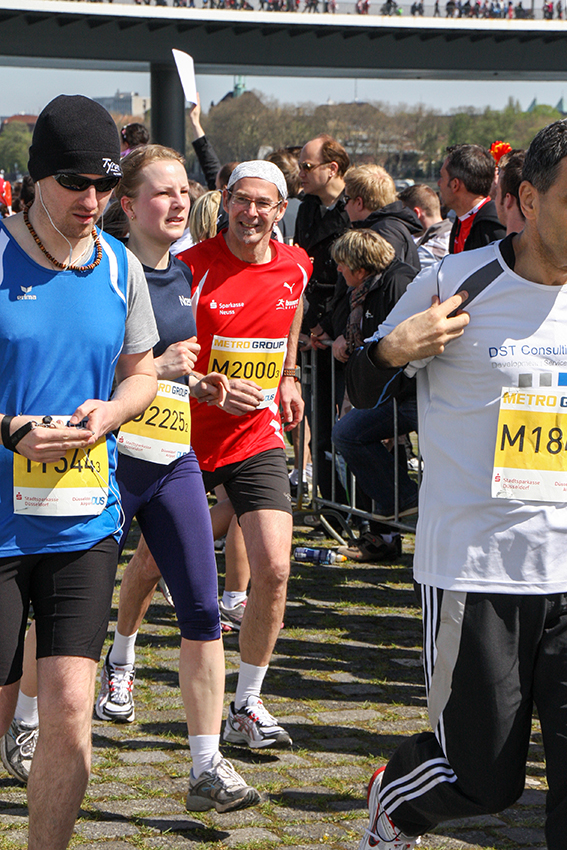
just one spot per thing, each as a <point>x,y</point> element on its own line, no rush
<point>161,484</point>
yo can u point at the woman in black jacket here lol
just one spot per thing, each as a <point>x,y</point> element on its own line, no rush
<point>375,280</point>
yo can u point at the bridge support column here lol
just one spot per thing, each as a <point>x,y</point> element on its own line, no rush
<point>168,107</point>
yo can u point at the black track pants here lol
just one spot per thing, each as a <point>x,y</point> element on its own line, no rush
<point>488,658</point>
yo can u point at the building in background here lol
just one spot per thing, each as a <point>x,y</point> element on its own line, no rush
<point>125,103</point>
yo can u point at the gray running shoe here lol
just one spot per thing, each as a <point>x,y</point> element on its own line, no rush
<point>231,618</point>
<point>220,788</point>
<point>17,748</point>
<point>115,700</point>
<point>254,725</point>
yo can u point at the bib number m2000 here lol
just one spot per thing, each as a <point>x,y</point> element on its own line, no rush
<point>162,433</point>
<point>258,360</point>
<point>76,485</point>
<point>530,456</point>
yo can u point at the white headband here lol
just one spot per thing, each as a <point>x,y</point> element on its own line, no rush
<point>262,169</point>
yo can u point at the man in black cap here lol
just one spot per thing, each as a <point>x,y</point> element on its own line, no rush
<point>74,316</point>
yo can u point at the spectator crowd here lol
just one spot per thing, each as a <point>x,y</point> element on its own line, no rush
<point>435,309</point>
<point>550,10</point>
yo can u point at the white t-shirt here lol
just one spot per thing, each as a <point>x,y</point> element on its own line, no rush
<point>517,337</point>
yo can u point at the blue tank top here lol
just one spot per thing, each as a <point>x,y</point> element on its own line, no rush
<point>61,333</point>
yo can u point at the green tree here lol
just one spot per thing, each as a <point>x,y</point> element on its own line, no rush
<point>409,140</point>
<point>15,140</point>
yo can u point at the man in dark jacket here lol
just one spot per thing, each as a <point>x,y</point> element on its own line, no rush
<point>321,218</point>
<point>464,183</point>
<point>372,202</point>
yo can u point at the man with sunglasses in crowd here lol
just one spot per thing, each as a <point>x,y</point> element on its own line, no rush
<point>75,316</point>
<point>247,300</point>
<point>321,219</point>
<point>322,216</point>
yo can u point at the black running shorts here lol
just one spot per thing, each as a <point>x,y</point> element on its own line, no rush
<point>258,483</point>
<point>71,594</point>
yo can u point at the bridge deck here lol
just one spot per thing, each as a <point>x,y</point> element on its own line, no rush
<point>66,33</point>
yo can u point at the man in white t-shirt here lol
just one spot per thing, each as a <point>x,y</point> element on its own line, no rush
<point>485,333</point>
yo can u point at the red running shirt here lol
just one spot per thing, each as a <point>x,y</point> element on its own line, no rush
<point>244,313</point>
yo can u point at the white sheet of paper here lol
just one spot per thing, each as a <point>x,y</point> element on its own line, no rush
<point>186,71</point>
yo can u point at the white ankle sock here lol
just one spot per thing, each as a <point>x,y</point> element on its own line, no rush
<point>26,710</point>
<point>250,679</point>
<point>123,649</point>
<point>203,749</point>
<point>232,598</point>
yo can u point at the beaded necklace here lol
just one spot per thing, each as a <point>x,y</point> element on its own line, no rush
<point>52,259</point>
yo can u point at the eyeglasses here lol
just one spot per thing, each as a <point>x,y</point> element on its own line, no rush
<point>310,166</point>
<point>79,183</point>
<point>244,201</point>
<point>347,198</point>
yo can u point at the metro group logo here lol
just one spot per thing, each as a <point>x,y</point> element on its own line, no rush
<point>515,400</point>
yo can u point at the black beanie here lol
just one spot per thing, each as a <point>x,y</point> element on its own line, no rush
<point>74,134</point>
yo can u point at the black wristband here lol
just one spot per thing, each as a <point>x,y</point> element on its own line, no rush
<point>10,441</point>
<point>5,432</point>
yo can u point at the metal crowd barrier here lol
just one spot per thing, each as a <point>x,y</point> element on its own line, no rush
<point>332,508</point>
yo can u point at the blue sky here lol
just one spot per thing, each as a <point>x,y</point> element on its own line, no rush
<point>28,89</point>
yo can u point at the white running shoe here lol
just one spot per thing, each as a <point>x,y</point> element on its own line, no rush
<point>220,788</point>
<point>17,748</point>
<point>231,618</point>
<point>254,725</point>
<point>381,833</point>
<point>115,700</point>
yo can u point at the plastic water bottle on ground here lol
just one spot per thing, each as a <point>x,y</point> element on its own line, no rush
<point>317,556</point>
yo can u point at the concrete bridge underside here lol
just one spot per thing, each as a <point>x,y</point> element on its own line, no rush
<point>56,33</point>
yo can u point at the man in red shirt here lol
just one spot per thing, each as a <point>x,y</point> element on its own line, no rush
<point>464,183</point>
<point>247,301</point>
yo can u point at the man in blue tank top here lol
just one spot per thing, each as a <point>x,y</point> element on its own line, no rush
<point>74,316</point>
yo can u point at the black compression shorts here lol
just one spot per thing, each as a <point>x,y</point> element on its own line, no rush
<point>258,483</point>
<point>71,593</point>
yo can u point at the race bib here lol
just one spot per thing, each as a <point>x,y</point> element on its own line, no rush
<point>530,457</point>
<point>76,485</point>
<point>258,360</point>
<point>163,432</point>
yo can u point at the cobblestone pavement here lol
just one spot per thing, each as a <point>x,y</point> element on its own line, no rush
<point>345,681</point>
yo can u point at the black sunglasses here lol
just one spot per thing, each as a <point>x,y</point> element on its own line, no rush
<point>79,183</point>
<point>310,166</point>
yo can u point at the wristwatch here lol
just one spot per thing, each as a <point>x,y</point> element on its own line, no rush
<point>292,373</point>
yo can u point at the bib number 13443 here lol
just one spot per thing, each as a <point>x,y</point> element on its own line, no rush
<point>76,485</point>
